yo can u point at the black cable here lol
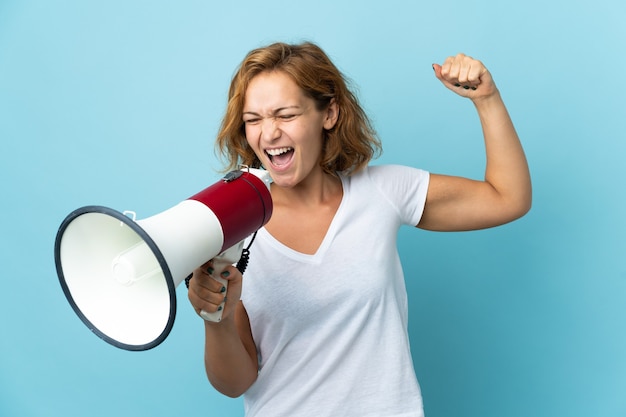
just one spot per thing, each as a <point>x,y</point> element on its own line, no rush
<point>242,264</point>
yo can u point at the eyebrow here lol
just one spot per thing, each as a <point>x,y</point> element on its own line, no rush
<point>276,111</point>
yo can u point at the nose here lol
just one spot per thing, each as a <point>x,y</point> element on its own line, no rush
<point>269,129</point>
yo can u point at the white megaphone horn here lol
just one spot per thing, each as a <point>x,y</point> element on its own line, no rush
<point>120,275</point>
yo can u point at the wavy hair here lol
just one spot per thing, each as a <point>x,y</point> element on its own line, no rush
<point>348,146</point>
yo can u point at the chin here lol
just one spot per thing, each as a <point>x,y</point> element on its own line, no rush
<point>284,181</point>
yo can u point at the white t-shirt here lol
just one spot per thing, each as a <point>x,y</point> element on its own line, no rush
<point>331,328</point>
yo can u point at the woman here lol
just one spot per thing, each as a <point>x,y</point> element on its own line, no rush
<point>319,327</point>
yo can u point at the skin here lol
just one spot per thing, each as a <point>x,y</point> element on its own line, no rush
<point>278,116</point>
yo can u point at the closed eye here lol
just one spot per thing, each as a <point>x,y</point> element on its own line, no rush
<point>283,114</point>
<point>257,120</point>
<point>251,121</point>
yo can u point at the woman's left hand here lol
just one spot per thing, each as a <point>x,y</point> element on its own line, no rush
<point>466,76</point>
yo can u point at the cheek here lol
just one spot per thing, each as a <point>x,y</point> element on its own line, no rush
<point>314,139</point>
<point>249,133</point>
<point>309,132</point>
<point>253,144</point>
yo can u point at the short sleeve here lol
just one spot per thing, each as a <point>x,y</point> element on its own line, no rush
<point>404,187</point>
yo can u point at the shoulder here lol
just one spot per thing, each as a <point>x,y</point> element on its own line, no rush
<point>400,187</point>
<point>384,175</point>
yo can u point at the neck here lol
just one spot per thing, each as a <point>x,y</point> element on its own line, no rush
<point>319,189</point>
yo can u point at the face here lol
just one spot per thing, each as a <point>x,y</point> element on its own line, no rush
<point>284,128</point>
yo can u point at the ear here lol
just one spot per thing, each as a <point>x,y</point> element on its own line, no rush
<point>332,115</point>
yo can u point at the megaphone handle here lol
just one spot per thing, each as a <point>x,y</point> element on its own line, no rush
<point>229,257</point>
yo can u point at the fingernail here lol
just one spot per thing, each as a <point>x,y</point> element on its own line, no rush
<point>466,87</point>
<point>473,88</point>
<point>209,270</point>
<point>223,289</point>
<point>219,308</point>
<point>457,85</point>
<point>225,274</point>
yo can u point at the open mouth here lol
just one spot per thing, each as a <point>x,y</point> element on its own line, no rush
<point>280,156</point>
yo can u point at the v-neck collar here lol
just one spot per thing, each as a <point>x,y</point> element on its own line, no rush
<point>328,237</point>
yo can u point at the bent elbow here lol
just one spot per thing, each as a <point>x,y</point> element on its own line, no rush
<point>527,207</point>
<point>526,203</point>
<point>230,391</point>
<point>232,384</point>
<point>520,208</point>
<point>232,394</point>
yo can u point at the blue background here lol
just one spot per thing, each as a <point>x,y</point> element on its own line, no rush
<point>117,103</point>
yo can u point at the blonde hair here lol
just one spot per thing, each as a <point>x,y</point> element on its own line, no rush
<point>348,146</point>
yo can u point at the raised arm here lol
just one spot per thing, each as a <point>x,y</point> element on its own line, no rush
<point>456,203</point>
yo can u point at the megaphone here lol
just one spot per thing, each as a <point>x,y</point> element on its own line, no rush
<point>120,274</point>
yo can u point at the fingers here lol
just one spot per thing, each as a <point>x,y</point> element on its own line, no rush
<point>206,292</point>
<point>462,72</point>
<point>211,293</point>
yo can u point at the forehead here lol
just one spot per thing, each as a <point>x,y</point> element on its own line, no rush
<point>271,90</point>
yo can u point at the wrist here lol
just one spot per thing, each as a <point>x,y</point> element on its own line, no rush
<point>225,324</point>
<point>487,102</point>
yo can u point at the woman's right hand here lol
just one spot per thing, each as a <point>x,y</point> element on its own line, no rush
<point>207,294</point>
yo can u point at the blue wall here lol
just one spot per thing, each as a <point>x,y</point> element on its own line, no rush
<point>117,103</point>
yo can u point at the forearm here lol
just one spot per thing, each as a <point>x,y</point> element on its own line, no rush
<point>229,365</point>
<point>506,166</point>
